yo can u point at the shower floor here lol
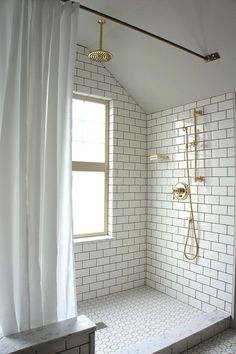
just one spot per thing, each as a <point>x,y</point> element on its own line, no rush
<point>133,316</point>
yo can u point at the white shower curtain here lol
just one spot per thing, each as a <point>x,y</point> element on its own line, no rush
<point>37,53</point>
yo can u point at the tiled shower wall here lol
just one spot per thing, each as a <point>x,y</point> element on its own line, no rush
<point>119,263</point>
<point>207,282</point>
<point>107,266</point>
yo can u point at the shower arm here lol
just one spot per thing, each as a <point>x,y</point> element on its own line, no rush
<point>101,23</point>
<point>207,58</point>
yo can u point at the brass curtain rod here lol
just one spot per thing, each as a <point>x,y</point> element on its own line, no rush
<point>207,58</point>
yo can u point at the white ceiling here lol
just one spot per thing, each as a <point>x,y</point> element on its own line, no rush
<point>155,74</point>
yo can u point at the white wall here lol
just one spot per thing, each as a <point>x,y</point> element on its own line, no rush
<point>105,267</point>
<point>207,283</point>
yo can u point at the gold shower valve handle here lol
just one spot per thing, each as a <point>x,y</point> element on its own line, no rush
<point>181,191</point>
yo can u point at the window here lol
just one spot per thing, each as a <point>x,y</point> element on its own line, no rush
<point>90,166</point>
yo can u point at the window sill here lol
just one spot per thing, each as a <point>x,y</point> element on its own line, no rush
<point>92,239</point>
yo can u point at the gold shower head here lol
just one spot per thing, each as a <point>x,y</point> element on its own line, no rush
<point>100,55</point>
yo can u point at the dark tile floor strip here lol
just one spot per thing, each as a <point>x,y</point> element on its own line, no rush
<point>100,325</point>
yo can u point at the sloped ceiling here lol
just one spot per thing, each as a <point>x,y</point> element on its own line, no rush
<point>156,75</point>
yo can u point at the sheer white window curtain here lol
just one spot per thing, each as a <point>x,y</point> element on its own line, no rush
<point>37,52</point>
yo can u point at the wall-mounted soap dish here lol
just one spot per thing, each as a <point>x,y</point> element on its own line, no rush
<point>158,157</point>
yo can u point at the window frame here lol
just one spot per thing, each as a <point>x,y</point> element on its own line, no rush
<point>86,166</point>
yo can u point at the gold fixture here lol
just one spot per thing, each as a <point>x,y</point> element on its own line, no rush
<point>195,145</point>
<point>100,55</point>
<point>191,234</point>
<point>181,191</point>
<point>199,179</point>
<point>158,156</point>
<point>196,114</point>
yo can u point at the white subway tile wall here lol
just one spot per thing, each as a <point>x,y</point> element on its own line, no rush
<point>152,239</point>
<point>206,283</point>
<point>117,264</point>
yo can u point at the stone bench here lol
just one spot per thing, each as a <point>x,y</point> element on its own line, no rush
<point>73,336</point>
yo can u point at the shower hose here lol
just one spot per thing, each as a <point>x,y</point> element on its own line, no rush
<point>191,222</point>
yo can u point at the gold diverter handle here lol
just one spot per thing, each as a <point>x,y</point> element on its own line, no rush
<point>180,191</point>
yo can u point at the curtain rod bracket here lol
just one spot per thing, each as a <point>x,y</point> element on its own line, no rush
<point>211,57</point>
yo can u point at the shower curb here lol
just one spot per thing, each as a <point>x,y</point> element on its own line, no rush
<point>183,337</point>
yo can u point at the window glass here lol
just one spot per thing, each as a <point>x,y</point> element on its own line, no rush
<point>90,166</point>
<point>88,202</point>
<point>88,131</point>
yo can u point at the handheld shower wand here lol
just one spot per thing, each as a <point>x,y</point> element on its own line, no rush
<point>191,221</point>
